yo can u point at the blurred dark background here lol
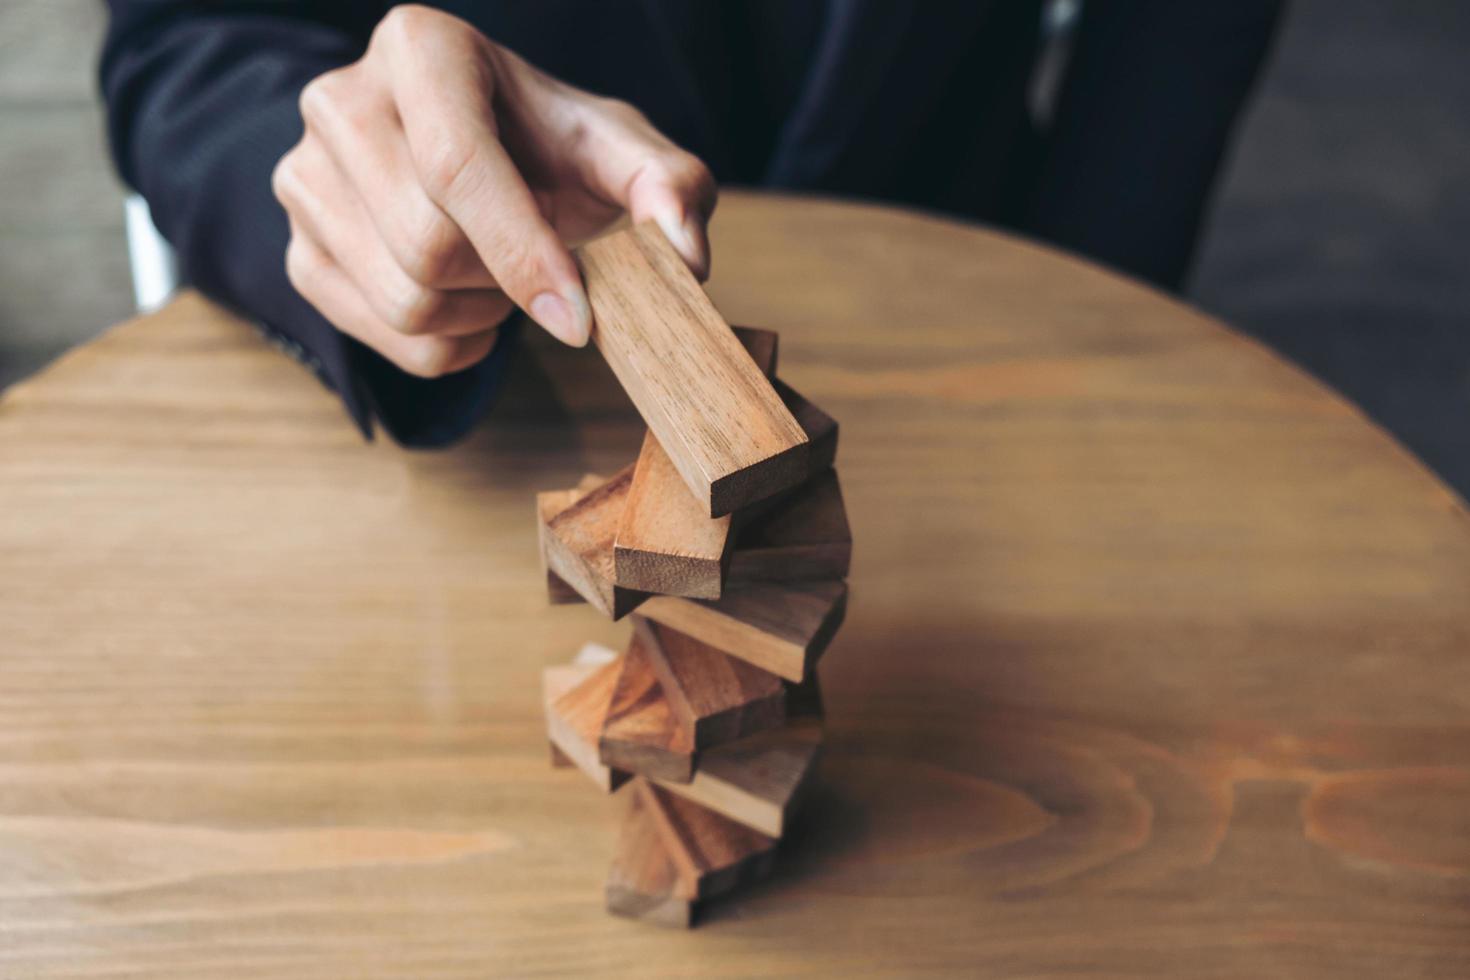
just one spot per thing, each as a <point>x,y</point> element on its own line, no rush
<point>1339,233</point>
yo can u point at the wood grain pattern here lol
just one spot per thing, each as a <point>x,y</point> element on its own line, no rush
<point>641,733</point>
<point>779,627</point>
<point>1158,672</point>
<point>577,698</point>
<point>757,781</point>
<point>716,696</point>
<point>666,541</point>
<point>576,532</point>
<point>643,882</point>
<point>714,413</point>
<point>802,537</point>
<point>712,855</point>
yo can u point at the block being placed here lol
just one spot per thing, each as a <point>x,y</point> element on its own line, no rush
<point>779,627</point>
<point>717,417</point>
<point>577,531</point>
<point>802,536</point>
<point>713,694</point>
<point>641,733</point>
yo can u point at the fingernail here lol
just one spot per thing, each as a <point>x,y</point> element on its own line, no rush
<point>698,249</point>
<point>684,241</point>
<point>568,320</point>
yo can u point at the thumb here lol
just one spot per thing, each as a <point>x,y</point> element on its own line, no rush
<point>626,161</point>
<point>680,204</point>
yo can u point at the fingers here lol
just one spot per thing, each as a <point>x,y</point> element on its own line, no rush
<point>326,210</point>
<point>351,113</point>
<point>325,286</point>
<point>465,170</point>
<point>636,167</point>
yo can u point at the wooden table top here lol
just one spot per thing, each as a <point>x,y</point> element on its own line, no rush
<point>1156,663</point>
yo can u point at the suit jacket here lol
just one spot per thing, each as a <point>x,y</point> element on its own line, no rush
<point>924,104</point>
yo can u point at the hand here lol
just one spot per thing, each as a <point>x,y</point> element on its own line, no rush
<point>438,178</point>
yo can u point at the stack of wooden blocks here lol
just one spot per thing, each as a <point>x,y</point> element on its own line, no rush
<point>727,541</point>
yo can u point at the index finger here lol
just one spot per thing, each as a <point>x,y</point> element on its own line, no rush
<point>449,120</point>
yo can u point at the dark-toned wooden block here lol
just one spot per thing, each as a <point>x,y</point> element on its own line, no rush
<point>718,697</point>
<point>802,536</point>
<point>779,627</point>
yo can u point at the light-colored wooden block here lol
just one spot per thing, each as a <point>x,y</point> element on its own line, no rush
<point>820,428</point>
<point>642,882</point>
<point>757,781</point>
<point>803,536</point>
<point>780,627</point>
<point>577,531</point>
<point>718,418</point>
<point>641,733</point>
<point>711,854</point>
<point>715,695</point>
<point>576,698</point>
<point>666,543</point>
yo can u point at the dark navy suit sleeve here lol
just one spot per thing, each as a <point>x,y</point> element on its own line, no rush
<point>201,104</point>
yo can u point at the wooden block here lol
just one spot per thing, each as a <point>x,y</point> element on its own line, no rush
<point>757,781</point>
<point>641,733</point>
<point>803,536</point>
<point>716,696</point>
<point>577,697</point>
<point>577,531</point>
<point>820,428</point>
<point>666,541</point>
<point>558,591</point>
<point>761,345</point>
<point>714,413</point>
<point>711,854</point>
<point>643,880</point>
<point>780,627</point>
<point>804,700</point>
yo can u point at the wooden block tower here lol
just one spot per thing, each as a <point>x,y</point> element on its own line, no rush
<point>728,543</point>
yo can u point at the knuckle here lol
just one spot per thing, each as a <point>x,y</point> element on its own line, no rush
<point>621,111</point>
<point>301,266</point>
<point>402,23</point>
<point>519,264</point>
<point>444,164</point>
<point>432,357</point>
<point>685,173</point>
<point>319,98</point>
<point>286,177</point>
<point>414,310</point>
<point>428,247</point>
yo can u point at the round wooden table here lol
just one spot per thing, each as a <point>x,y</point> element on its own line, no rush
<point>1156,663</point>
